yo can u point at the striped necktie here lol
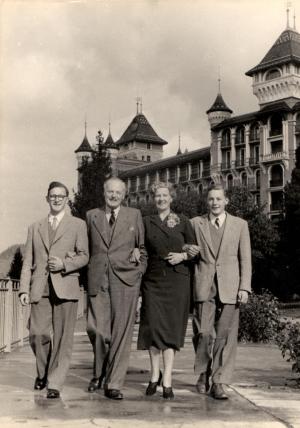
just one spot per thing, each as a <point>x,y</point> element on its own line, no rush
<point>217,223</point>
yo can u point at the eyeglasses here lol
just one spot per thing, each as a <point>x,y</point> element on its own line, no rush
<point>58,197</point>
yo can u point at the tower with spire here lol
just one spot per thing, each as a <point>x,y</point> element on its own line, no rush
<point>219,111</point>
<point>113,150</point>
<point>277,76</point>
<point>84,151</point>
<point>139,143</point>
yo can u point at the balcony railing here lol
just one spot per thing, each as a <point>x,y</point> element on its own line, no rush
<point>14,316</point>
<point>275,156</point>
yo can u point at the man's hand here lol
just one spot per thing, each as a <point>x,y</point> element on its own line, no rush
<point>191,249</point>
<point>175,258</point>
<point>242,296</point>
<point>135,256</point>
<point>55,264</point>
<point>24,299</point>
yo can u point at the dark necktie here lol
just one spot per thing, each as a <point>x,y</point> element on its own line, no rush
<point>112,218</point>
<point>217,223</point>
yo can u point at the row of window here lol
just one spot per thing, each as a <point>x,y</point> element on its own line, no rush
<point>275,129</point>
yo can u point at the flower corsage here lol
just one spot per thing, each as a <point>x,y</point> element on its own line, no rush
<point>172,220</point>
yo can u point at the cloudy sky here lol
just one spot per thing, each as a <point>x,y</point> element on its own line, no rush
<point>62,60</point>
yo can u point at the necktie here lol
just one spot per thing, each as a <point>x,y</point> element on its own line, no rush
<point>54,223</point>
<point>112,218</point>
<point>217,223</point>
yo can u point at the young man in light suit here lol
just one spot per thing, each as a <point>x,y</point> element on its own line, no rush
<point>56,248</point>
<point>114,278</point>
<point>222,281</point>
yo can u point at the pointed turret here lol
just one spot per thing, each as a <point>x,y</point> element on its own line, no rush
<point>179,152</point>
<point>219,111</point>
<point>84,151</point>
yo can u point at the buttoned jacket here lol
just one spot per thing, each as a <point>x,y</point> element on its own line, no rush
<point>70,244</point>
<point>231,265</point>
<point>113,247</point>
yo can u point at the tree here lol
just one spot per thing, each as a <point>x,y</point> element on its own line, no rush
<point>93,173</point>
<point>264,239</point>
<point>291,229</point>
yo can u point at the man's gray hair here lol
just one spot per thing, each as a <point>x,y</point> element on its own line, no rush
<point>115,179</point>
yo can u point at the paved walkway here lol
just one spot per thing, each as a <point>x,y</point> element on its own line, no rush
<point>262,394</point>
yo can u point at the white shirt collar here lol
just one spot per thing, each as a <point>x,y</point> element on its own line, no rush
<point>59,217</point>
<point>116,210</point>
<point>221,217</point>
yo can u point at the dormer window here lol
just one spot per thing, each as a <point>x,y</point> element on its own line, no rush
<point>273,74</point>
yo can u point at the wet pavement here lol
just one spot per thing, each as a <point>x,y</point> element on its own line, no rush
<point>262,394</point>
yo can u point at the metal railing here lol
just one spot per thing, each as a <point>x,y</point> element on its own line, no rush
<point>14,317</point>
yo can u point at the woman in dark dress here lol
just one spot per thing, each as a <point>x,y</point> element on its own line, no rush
<point>165,287</point>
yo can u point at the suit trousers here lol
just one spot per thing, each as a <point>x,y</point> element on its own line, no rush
<point>110,322</point>
<point>51,330</point>
<point>215,327</point>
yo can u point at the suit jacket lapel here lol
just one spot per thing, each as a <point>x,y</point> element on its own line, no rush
<point>228,231</point>
<point>206,233</point>
<point>100,222</point>
<point>120,223</point>
<point>43,230</point>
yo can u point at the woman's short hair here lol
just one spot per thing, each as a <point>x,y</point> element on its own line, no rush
<point>163,185</point>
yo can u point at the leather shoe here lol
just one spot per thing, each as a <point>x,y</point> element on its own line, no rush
<point>95,384</point>
<point>113,394</point>
<point>202,385</point>
<point>218,392</point>
<point>40,384</point>
<point>152,386</point>
<point>53,393</point>
<point>168,393</point>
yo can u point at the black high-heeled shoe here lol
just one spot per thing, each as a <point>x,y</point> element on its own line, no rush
<point>168,393</point>
<point>152,386</point>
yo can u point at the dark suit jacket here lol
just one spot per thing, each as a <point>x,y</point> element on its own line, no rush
<point>232,264</point>
<point>70,244</point>
<point>115,249</point>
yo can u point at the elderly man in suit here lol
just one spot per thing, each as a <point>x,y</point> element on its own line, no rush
<point>114,276</point>
<point>222,281</point>
<point>56,248</point>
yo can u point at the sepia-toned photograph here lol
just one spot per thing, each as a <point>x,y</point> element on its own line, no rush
<point>150,213</point>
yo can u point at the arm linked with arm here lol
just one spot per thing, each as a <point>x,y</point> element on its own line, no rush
<point>140,242</point>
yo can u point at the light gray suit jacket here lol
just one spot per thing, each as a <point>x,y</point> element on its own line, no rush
<point>115,249</point>
<point>232,264</point>
<point>70,244</point>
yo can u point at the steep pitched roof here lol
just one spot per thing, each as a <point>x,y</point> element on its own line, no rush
<point>219,105</point>
<point>285,49</point>
<point>140,130</point>
<point>109,142</point>
<point>84,146</point>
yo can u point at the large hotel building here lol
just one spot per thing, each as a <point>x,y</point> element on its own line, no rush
<point>255,150</point>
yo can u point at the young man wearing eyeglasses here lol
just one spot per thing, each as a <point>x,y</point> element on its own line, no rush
<point>56,248</point>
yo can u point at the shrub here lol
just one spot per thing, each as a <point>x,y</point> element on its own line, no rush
<point>259,318</point>
<point>288,341</point>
